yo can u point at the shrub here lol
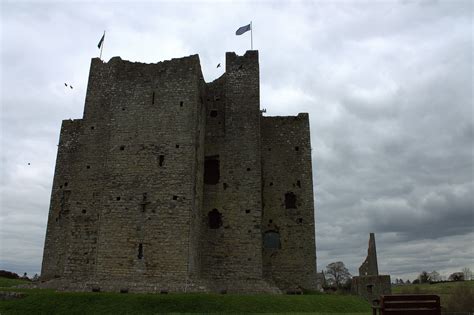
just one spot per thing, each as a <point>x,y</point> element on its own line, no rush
<point>9,274</point>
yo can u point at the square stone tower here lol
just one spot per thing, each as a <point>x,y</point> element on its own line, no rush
<point>169,183</point>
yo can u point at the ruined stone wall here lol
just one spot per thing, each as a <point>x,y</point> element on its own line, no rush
<point>65,226</point>
<point>232,248</point>
<point>371,287</point>
<point>289,252</point>
<point>132,174</point>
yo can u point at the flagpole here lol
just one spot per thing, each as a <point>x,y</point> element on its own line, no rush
<point>251,36</point>
<point>102,47</point>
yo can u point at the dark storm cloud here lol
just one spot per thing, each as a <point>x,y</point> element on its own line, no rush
<point>388,86</point>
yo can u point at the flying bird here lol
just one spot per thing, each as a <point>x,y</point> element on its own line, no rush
<point>29,164</point>
<point>70,87</point>
<point>218,65</point>
<point>65,84</point>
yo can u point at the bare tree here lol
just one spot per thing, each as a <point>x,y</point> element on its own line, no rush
<point>467,273</point>
<point>424,277</point>
<point>434,276</point>
<point>337,274</point>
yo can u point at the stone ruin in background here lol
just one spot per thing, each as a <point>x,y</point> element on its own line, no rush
<point>369,284</point>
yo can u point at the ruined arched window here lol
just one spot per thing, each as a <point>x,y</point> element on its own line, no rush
<point>290,200</point>
<point>271,240</point>
<point>215,219</point>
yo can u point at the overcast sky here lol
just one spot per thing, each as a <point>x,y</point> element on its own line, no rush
<point>388,86</point>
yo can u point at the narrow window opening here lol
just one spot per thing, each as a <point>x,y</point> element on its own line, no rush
<point>248,169</point>
<point>369,288</point>
<point>162,159</point>
<point>211,170</point>
<point>65,184</point>
<point>84,211</point>
<point>269,149</point>
<point>175,197</point>
<point>88,166</point>
<point>225,186</point>
<point>177,146</point>
<point>297,148</point>
<point>271,240</point>
<point>271,183</point>
<point>92,127</point>
<point>247,211</point>
<point>123,108</point>
<point>140,251</point>
<point>181,104</point>
<point>270,221</point>
<point>153,98</point>
<point>290,200</point>
<point>215,219</point>
<point>300,220</point>
<point>298,183</point>
<point>122,147</point>
<point>213,113</point>
<point>118,198</point>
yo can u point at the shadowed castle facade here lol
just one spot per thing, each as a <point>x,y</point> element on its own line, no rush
<point>169,183</point>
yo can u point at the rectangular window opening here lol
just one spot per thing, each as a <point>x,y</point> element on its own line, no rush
<point>211,170</point>
<point>140,251</point>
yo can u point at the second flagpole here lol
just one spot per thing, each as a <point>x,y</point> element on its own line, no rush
<point>251,36</point>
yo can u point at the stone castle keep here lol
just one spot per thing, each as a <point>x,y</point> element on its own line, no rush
<point>169,183</point>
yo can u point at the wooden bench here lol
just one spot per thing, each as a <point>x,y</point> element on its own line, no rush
<point>408,304</point>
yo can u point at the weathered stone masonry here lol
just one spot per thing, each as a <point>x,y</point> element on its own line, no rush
<point>169,183</point>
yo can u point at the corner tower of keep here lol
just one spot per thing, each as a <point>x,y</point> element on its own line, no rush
<point>170,183</point>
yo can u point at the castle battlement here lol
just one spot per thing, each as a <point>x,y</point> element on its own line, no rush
<point>171,183</point>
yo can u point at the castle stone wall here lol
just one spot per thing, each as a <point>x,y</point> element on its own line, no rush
<point>233,251</point>
<point>288,206</point>
<point>137,204</point>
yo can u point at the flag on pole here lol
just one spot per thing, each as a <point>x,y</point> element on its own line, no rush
<point>243,29</point>
<point>101,41</point>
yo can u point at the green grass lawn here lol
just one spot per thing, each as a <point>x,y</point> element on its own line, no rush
<point>49,302</point>
<point>455,296</point>
<point>435,288</point>
<point>5,282</point>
